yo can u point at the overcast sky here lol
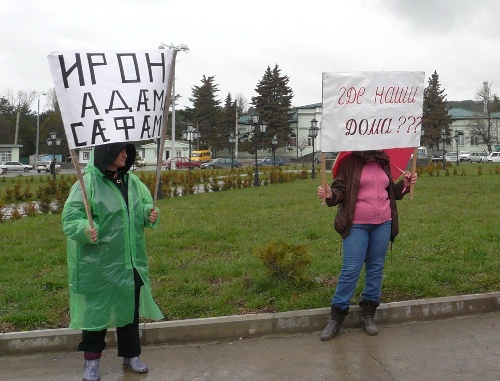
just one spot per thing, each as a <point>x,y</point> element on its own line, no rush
<point>237,41</point>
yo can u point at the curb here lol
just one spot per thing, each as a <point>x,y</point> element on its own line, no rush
<point>246,326</point>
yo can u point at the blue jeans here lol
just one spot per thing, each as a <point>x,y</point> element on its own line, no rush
<point>366,244</point>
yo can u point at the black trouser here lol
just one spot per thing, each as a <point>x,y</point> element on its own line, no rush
<point>129,341</point>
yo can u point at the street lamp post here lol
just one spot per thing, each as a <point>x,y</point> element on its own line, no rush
<point>297,141</point>
<point>232,140</point>
<point>252,127</point>
<point>313,133</point>
<point>190,134</point>
<point>456,141</point>
<point>443,138</point>
<point>274,142</point>
<point>52,142</point>
<point>38,126</point>
<point>178,48</point>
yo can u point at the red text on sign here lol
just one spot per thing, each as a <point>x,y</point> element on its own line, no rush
<point>350,95</point>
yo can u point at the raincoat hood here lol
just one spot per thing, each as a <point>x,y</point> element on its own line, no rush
<point>105,154</point>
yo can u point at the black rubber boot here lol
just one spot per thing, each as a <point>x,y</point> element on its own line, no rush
<point>336,320</point>
<point>368,309</point>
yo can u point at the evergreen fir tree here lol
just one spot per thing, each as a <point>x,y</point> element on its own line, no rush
<point>495,105</point>
<point>7,122</point>
<point>273,103</point>
<point>435,115</point>
<point>229,120</point>
<point>207,114</point>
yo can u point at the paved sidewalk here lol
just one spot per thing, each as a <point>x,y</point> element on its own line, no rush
<point>461,348</point>
<point>452,338</point>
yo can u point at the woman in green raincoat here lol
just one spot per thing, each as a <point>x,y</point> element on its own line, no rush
<point>108,265</point>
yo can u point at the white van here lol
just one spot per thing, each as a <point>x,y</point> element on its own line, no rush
<point>421,153</point>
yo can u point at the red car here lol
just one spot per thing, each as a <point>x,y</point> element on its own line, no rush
<point>182,163</point>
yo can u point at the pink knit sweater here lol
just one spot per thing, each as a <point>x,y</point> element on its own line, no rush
<point>372,205</point>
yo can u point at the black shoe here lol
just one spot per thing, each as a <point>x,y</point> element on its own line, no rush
<point>330,330</point>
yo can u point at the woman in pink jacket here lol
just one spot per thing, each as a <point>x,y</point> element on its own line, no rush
<point>367,220</point>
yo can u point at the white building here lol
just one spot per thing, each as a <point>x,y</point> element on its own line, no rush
<point>467,139</point>
<point>9,152</point>
<point>149,151</point>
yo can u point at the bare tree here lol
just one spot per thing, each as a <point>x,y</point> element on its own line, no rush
<point>241,103</point>
<point>482,128</point>
<point>21,99</point>
<point>51,104</point>
<point>303,143</point>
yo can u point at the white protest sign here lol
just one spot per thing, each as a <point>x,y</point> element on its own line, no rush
<point>111,96</point>
<point>371,110</point>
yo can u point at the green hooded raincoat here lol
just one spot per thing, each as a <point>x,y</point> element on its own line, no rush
<point>101,279</point>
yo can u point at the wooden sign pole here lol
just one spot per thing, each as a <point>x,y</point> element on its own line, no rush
<point>82,186</point>
<point>413,170</point>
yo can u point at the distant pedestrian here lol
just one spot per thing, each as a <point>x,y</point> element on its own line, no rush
<point>367,219</point>
<point>52,166</point>
<point>108,266</point>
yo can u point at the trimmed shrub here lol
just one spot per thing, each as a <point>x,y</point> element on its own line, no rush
<point>285,261</point>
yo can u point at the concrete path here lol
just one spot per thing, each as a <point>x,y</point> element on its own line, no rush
<point>459,348</point>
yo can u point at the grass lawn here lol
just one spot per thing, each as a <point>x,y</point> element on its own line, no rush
<point>202,260</point>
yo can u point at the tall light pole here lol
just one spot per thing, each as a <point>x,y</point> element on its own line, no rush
<point>232,140</point>
<point>456,141</point>
<point>313,133</point>
<point>52,142</point>
<point>297,141</point>
<point>38,126</point>
<point>178,48</point>
<point>274,142</point>
<point>443,138</point>
<point>237,134</point>
<point>190,134</point>
<point>252,126</point>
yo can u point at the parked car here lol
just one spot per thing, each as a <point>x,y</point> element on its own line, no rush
<point>45,166</point>
<point>493,157</point>
<point>221,163</point>
<point>437,156</point>
<point>451,158</point>
<point>268,162</point>
<point>477,157</point>
<point>463,155</point>
<point>328,156</point>
<point>182,163</point>
<point>15,166</point>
